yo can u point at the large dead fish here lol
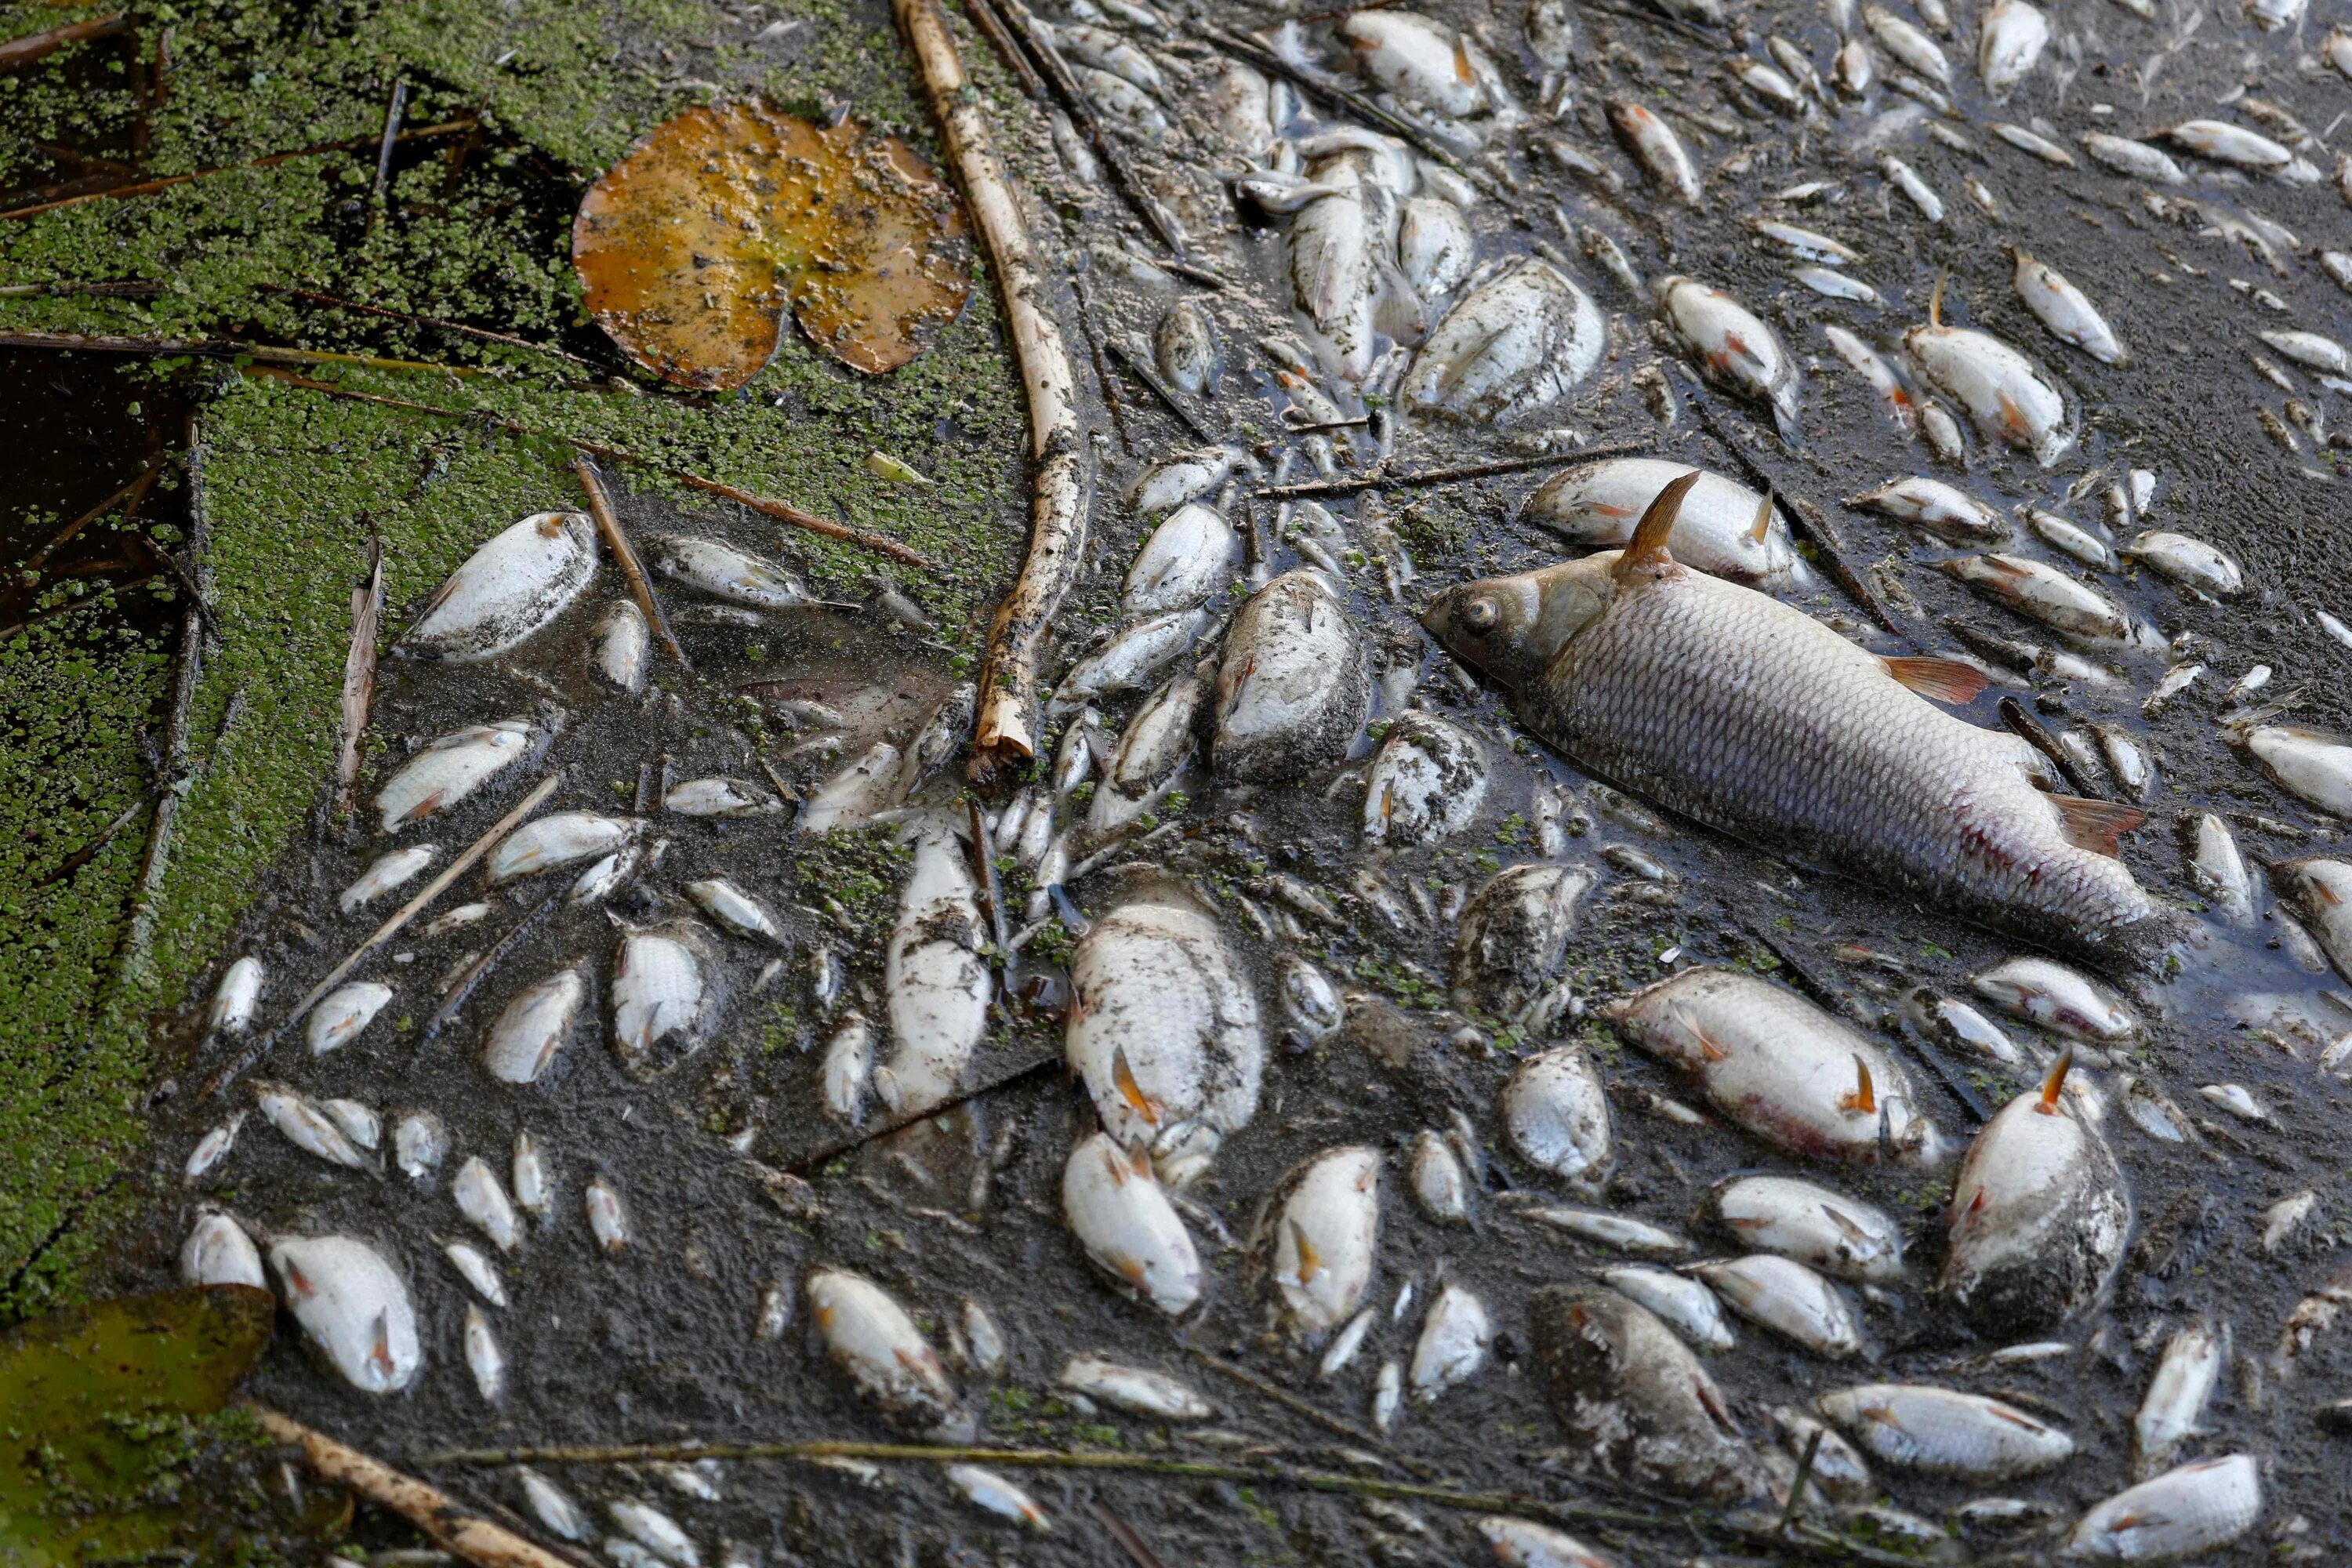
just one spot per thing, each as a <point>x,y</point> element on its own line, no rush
<point>1743,713</point>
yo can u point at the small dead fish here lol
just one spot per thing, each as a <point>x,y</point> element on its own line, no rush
<point>2063,1000</point>
<point>212,1149</point>
<point>358,1120</point>
<point>484,1359</point>
<point>534,1190</point>
<point>236,997</point>
<point>1186,477</point>
<point>218,1252</point>
<point>456,919</point>
<point>2029,142</point>
<point>1426,783</point>
<point>1516,340</point>
<point>2232,144</point>
<point>1523,1543</point>
<point>848,1069</point>
<point>1907,44</point>
<point>1185,344</point>
<point>308,1127</point>
<point>621,647</point>
<point>485,1204</point>
<point>446,772</point>
<point>1945,510</point>
<point>1455,1338</point>
<point>1134,658</point>
<point>343,1015</point>
<point>2192,563</point>
<point>725,573</point>
<point>2013,38</point>
<point>1133,1389</point>
<point>551,1506</point>
<point>560,839</point>
<point>988,1490</point>
<point>1834,285</point>
<point>871,1341</point>
<point>608,1220</point>
<point>1293,687</point>
<point>2041,592</point>
<point>1514,935</point>
<point>1605,1227</point>
<point>2008,396</point>
<point>2176,1393</point>
<point>354,1306</point>
<point>388,872</point>
<point>662,999</point>
<point>2314,768</point>
<point>2058,305</point>
<point>1439,1183</point>
<point>477,1271</point>
<point>2181,1513</point>
<point>1784,1295</point>
<point>2039,1212</point>
<point>1683,1304</point>
<point>1735,348</point>
<point>518,582</point>
<point>719,797</point>
<point>1872,367</point>
<point>1122,1216</point>
<point>1436,248</point>
<point>654,1530</point>
<point>1191,554</point>
<point>1596,505</point>
<point>1652,143</point>
<point>1556,1114</point>
<point>2066,534</point>
<point>2235,1099</point>
<point>2219,872</point>
<point>532,1028</point>
<point>1819,1228</point>
<point>419,1144</point>
<point>1944,1432</point>
<point>2320,892</point>
<point>936,986</point>
<point>869,785</point>
<point>1325,1233</point>
<point>2135,160</point>
<point>733,908</point>
<point>1152,750</point>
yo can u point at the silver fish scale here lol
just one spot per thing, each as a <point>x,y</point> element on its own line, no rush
<point>1753,717</point>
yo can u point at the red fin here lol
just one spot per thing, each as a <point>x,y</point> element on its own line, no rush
<point>1648,549</point>
<point>1863,1097</point>
<point>1462,71</point>
<point>1763,524</point>
<point>1941,680</point>
<point>2054,1084</point>
<point>2096,825</point>
<point>1122,1078</point>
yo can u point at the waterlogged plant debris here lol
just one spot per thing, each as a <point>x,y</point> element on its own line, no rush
<point>691,247</point>
<point>93,1409</point>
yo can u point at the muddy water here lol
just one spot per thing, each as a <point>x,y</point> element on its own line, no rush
<point>658,1345</point>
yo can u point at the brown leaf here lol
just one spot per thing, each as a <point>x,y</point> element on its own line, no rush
<point>690,248</point>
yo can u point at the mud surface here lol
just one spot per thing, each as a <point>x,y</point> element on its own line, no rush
<point>657,1344</point>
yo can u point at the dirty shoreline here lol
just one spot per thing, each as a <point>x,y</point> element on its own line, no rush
<point>665,1343</point>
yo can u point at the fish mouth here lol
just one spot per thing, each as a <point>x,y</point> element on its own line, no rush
<point>1446,618</point>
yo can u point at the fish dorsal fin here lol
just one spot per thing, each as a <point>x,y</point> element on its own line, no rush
<point>1763,524</point>
<point>1942,680</point>
<point>2096,825</point>
<point>1863,1097</point>
<point>1309,1261</point>
<point>1462,69</point>
<point>1122,1078</point>
<point>2056,1084</point>
<point>1647,550</point>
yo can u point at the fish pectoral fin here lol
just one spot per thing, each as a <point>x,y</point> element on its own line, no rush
<point>2096,824</point>
<point>1646,553</point>
<point>1939,680</point>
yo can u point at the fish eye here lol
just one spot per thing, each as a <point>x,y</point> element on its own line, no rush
<point>1480,614</point>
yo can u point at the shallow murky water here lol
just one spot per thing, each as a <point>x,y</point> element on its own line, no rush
<point>662,1342</point>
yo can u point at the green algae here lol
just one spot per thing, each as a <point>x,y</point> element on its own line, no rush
<point>295,480</point>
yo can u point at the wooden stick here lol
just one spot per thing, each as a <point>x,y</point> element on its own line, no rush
<point>79,342</point>
<point>991,27</point>
<point>1138,367</point>
<point>332,303</point>
<point>384,932</point>
<point>608,525</point>
<point>455,1529</point>
<point>358,670</point>
<point>129,496</point>
<point>850,1145</point>
<point>1010,715</point>
<point>1292,1403</point>
<point>1420,479</point>
<point>131,289</point>
<point>1111,399</point>
<point>18,53</point>
<point>89,852</point>
<point>391,114</point>
<point>148,187</point>
<point>782,511</point>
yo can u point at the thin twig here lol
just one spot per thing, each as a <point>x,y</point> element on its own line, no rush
<point>1142,372</point>
<point>130,288</point>
<point>89,852</point>
<point>463,988</point>
<point>991,27</point>
<point>2037,735</point>
<point>1804,1474</point>
<point>332,303</point>
<point>179,574</point>
<point>1296,1405</point>
<point>18,53</point>
<point>391,114</point>
<point>127,497</point>
<point>89,601</point>
<point>148,187</point>
<point>505,824</point>
<point>1421,479</point>
<point>1131,1544</point>
<point>1111,399</point>
<point>80,344</point>
<point>641,588</point>
<point>850,1145</point>
<point>784,512</point>
<point>358,670</point>
<point>457,1530</point>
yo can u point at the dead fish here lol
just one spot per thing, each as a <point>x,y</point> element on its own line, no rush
<point>733,908</point>
<point>2135,160</point>
<point>1652,143</point>
<point>445,772</point>
<point>2024,141</point>
<point>1681,1302</point>
<point>1556,1114</point>
<point>1436,249</point>
<point>1121,1216</point>
<point>662,1000</point>
<point>388,872</point>
<point>218,1252</point>
<point>608,1218</point>
<point>1152,750</point>
<point>936,987</point>
<point>1293,688</point>
<point>559,839</point>
<point>848,1069</point>
<point>1872,367</point>
<point>1191,554</point>
<point>2320,892</point>
<point>532,1028</point>
<point>2314,768</point>
<point>357,1120</point>
<point>1423,61</point>
<point>2181,1513</point>
<point>2058,305</point>
<point>1804,244</point>
<point>1838,1468</point>
<point>987,1489</point>
<point>2066,534</point>
<point>1309,1000</point>
<point>871,1341</point>
<point>856,793</point>
<point>1185,344</point>
<point>1907,44</point>
<point>2004,392</point>
<point>1735,348</point>
<point>621,647</point>
<point>485,1204</point>
<point>1780,1067</point>
<point>1439,1183</point>
<point>2219,871</point>
<point>1455,1338</point>
<point>1133,1388</point>
<point>2039,1212</point>
<point>1104,50</point>
<point>2013,38</point>
<point>1635,1403</point>
<point>419,1144</point>
<point>1516,340</point>
<point>1784,1295</point>
<point>654,1530</point>
<point>1603,1227</point>
<point>2176,1393</point>
<point>2231,145</point>
<point>518,582</point>
<point>719,797</point>
<point>1835,285</point>
<point>343,1015</point>
<point>534,1188</point>
<point>1185,477</point>
<point>456,919</point>
<point>1523,1543</point>
<point>1596,505</point>
<point>2271,15</point>
<point>2235,1099</point>
<point>1818,1228</point>
<point>1514,934</point>
<point>725,572</point>
<point>308,1127</point>
<point>1427,782</point>
<point>1324,1236</point>
<point>1134,658</point>
<point>551,1506</point>
<point>1238,103</point>
<point>1954,1022</point>
<point>212,1149</point>
<point>2192,563</point>
<point>2062,1000</point>
<point>479,1272</point>
<point>354,1307</point>
<point>2042,592</point>
<point>236,997</point>
<point>1944,1432</point>
<point>1854,70</point>
<point>484,1359</point>
<point>1945,510</point>
<point>1333,282</point>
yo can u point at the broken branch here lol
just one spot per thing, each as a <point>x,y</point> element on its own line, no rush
<point>148,187</point>
<point>1010,715</point>
<point>330,302</point>
<point>358,670</point>
<point>1421,479</point>
<point>77,343</point>
<point>608,525</point>
<point>127,497</point>
<point>18,53</point>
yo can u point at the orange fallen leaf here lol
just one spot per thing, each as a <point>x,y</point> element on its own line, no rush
<point>691,247</point>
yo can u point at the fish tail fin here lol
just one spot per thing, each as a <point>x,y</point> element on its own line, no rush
<point>1647,552</point>
<point>2096,825</point>
<point>1944,679</point>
